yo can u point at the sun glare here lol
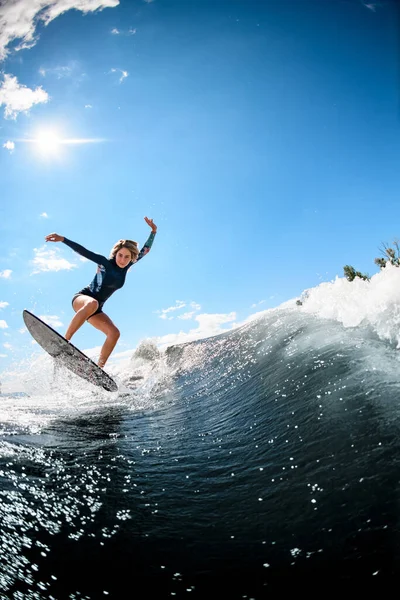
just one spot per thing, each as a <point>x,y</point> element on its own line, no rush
<point>48,142</point>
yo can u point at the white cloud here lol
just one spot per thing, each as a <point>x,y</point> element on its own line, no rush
<point>370,6</point>
<point>6,274</point>
<point>3,325</point>
<point>22,330</point>
<point>48,259</point>
<point>92,353</point>
<point>88,106</point>
<point>163,313</point>
<point>212,322</point>
<point>164,316</point>
<point>20,18</point>
<point>9,145</point>
<point>59,72</point>
<point>257,304</point>
<point>209,325</point>
<point>7,345</point>
<point>19,98</point>
<point>3,355</point>
<point>195,306</point>
<point>186,316</point>
<point>51,320</point>
<point>72,71</point>
<point>124,74</point>
<point>116,31</point>
<point>44,215</point>
<point>190,315</point>
<point>4,304</point>
<point>178,304</point>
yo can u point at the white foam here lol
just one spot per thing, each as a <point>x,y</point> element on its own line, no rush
<point>374,303</point>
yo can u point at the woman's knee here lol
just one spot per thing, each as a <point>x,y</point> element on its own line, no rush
<point>114,334</point>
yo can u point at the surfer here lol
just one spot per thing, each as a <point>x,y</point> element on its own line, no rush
<point>111,272</point>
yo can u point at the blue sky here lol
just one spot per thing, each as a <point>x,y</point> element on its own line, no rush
<point>261,136</point>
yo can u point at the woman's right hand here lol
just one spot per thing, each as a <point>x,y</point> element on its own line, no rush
<point>54,237</point>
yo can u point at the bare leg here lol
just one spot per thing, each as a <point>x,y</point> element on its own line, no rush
<point>104,323</point>
<point>84,306</point>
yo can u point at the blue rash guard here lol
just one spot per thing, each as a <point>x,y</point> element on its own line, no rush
<point>109,277</point>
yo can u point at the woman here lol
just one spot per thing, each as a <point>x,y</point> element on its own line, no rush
<point>111,272</point>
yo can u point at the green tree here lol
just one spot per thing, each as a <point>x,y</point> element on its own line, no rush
<point>391,255</point>
<point>350,273</point>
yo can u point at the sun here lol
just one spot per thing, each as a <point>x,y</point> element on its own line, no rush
<point>47,142</point>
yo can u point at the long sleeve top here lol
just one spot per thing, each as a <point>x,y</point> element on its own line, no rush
<point>109,276</point>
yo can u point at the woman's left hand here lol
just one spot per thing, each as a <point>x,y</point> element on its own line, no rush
<point>151,224</point>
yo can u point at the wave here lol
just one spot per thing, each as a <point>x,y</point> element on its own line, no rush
<point>263,453</point>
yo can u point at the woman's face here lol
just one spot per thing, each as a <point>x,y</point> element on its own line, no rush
<point>123,257</point>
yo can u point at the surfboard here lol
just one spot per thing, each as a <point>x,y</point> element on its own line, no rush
<point>66,353</point>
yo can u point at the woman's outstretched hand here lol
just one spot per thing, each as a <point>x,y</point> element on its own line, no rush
<point>150,224</point>
<point>54,237</point>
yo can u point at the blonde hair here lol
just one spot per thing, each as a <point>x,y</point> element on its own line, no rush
<point>129,245</point>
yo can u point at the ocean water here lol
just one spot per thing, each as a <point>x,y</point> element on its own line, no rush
<point>261,460</point>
